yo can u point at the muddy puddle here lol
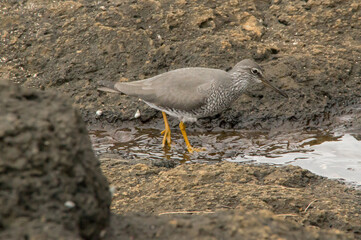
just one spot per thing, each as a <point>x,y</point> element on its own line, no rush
<point>336,156</point>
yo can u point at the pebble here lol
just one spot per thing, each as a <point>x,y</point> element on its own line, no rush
<point>99,113</point>
<point>137,114</point>
<point>69,204</point>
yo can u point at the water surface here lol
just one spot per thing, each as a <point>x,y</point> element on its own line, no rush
<point>331,155</point>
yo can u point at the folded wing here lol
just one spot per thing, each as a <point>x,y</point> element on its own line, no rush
<point>184,89</point>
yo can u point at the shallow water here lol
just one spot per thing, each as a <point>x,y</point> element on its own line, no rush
<point>331,155</point>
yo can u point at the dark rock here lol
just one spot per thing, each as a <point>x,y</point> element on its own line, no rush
<point>51,183</point>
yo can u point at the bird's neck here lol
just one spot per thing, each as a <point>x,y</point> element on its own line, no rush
<point>240,81</point>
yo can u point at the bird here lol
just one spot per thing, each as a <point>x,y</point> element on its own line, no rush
<point>193,92</point>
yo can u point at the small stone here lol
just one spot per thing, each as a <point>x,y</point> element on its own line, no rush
<point>69,204</point>
<point>112,190</point>
<point>137,114</point>
<point>254,26</point>
<point>102,233</point>
<point>99,113</point>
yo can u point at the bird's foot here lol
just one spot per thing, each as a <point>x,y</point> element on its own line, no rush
<point>192,149</point>
<point>166,137</point>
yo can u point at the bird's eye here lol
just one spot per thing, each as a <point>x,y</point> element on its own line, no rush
<point>255,71</point>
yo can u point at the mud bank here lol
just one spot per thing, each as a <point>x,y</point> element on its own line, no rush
<point>229,201</point>
<point>310,49</point>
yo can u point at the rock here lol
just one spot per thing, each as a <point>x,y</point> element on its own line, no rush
<point>51,183</point>
<point>253,25</point>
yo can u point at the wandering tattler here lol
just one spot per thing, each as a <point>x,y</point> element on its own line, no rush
<point>192,93</point>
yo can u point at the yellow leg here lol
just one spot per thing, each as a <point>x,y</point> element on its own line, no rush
<point>166,131</point>
<point>189,147</point>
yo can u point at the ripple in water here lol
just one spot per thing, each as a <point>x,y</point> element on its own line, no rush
<point>330,155</point>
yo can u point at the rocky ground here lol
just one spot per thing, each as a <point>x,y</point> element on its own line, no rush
<point>228,201</point>
<point>310,49</point>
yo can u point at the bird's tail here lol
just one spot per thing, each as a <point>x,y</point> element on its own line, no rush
<point>107,86</point>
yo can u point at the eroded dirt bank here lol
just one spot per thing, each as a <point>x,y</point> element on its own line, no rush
<point>311,49</point>
<point>232,201</point>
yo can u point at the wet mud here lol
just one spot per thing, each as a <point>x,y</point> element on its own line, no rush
<point>329,154</point>
<point>310,49</point>
<point>219,144</point>
<point>229,201</point>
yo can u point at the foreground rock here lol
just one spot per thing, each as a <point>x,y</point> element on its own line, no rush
<point>51,184</point>
<point>241,201</point>
<point>236,225</point>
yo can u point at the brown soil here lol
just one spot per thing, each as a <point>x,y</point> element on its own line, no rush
<point>231,201</point>
<point>310,49</point>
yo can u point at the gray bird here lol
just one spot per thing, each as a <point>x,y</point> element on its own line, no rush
<point>192,93</point>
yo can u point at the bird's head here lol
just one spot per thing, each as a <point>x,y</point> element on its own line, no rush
<point>250,71</point>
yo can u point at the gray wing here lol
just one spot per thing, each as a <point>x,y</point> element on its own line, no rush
<point>184,89</point>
